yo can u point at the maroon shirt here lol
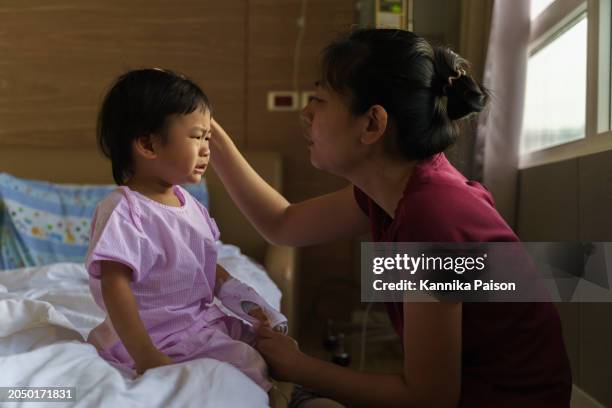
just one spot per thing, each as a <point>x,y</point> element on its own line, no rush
<point>513,354</point>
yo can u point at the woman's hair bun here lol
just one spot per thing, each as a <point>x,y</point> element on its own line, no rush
<point>464,95</point>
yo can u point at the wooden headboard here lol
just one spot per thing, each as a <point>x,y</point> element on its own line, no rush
<point>87,166</point>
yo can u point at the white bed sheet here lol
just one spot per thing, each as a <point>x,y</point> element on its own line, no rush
<point>47,312</point>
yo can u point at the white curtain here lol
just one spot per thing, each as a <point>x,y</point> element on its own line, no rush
<point>475,26</point>
<point>500,126</point>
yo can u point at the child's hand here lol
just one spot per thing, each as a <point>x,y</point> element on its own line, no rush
<point>266,321</point>
<point>152,360</point>
<point>261,316</point>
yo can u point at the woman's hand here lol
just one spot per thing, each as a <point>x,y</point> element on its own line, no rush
<point>281,352</point>
<point>151,360</point>
<point>219,141</point>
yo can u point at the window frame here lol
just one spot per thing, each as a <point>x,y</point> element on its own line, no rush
<point>556,19</point>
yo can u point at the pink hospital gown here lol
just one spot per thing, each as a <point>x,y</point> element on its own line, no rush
<point>171,251</point>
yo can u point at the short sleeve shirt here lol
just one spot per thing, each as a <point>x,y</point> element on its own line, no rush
<point>171,252</point>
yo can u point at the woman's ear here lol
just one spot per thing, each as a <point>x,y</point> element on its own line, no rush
<point>376,124</point>
<point>144,146</point>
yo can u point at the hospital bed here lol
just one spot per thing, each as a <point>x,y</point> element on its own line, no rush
<point>47,311</point>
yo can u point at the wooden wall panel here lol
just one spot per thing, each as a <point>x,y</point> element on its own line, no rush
<point>59,57</point>
<point>596,197</point>
<point>571,201</point>
<point>596,318</point>
<point>548,202</point>
<point>273,32</point>
<point>272,37</point>
<point>548,211</point>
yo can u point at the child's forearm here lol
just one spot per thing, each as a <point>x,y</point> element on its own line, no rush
<point>221,276</point>
<point>245,302</point>
<point>123,312</point>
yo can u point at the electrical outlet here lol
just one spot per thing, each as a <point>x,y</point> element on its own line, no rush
<point>282,101</point>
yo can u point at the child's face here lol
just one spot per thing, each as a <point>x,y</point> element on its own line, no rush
<point>185,155</point>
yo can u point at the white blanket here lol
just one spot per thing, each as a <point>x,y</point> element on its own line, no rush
<point>47,312</point>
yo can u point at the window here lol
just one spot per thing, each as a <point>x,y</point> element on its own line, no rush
<point>567,107</point>
<point>555,97</point>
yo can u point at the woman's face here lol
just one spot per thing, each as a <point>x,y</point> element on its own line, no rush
<point>332,132</point>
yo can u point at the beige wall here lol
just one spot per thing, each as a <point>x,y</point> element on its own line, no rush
<point>438,20</point>
<point>571,201</point>
<point>272,33</point>
<point>59,57</point>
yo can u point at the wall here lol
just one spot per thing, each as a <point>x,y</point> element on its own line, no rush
<point>571,201</point>
<point>438,21</point>
<point>272,29</point>
<point>462,26</point>
<point>58,59</point>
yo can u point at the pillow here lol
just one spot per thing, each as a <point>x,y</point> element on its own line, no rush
<point>43,223</point>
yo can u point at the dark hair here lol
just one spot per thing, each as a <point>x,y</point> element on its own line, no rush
<point>402,72</point>
<point>138,104</point>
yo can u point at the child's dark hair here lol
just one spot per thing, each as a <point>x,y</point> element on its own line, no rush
<point>138,104</point>
<point>424,90</point>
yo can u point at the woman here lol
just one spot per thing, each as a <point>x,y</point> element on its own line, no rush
<point>385,109</point>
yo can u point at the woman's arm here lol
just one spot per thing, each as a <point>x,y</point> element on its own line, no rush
<point>123,313</point>
<point>310,222</point>
<point>432,370</point>
<point>432,350</point>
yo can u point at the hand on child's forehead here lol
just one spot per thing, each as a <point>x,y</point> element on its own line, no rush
<point>194,119</point>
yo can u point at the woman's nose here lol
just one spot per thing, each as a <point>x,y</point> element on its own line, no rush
<point>306,115</point>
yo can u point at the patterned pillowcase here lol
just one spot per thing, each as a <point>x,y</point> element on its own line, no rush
<point>43,223</point>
